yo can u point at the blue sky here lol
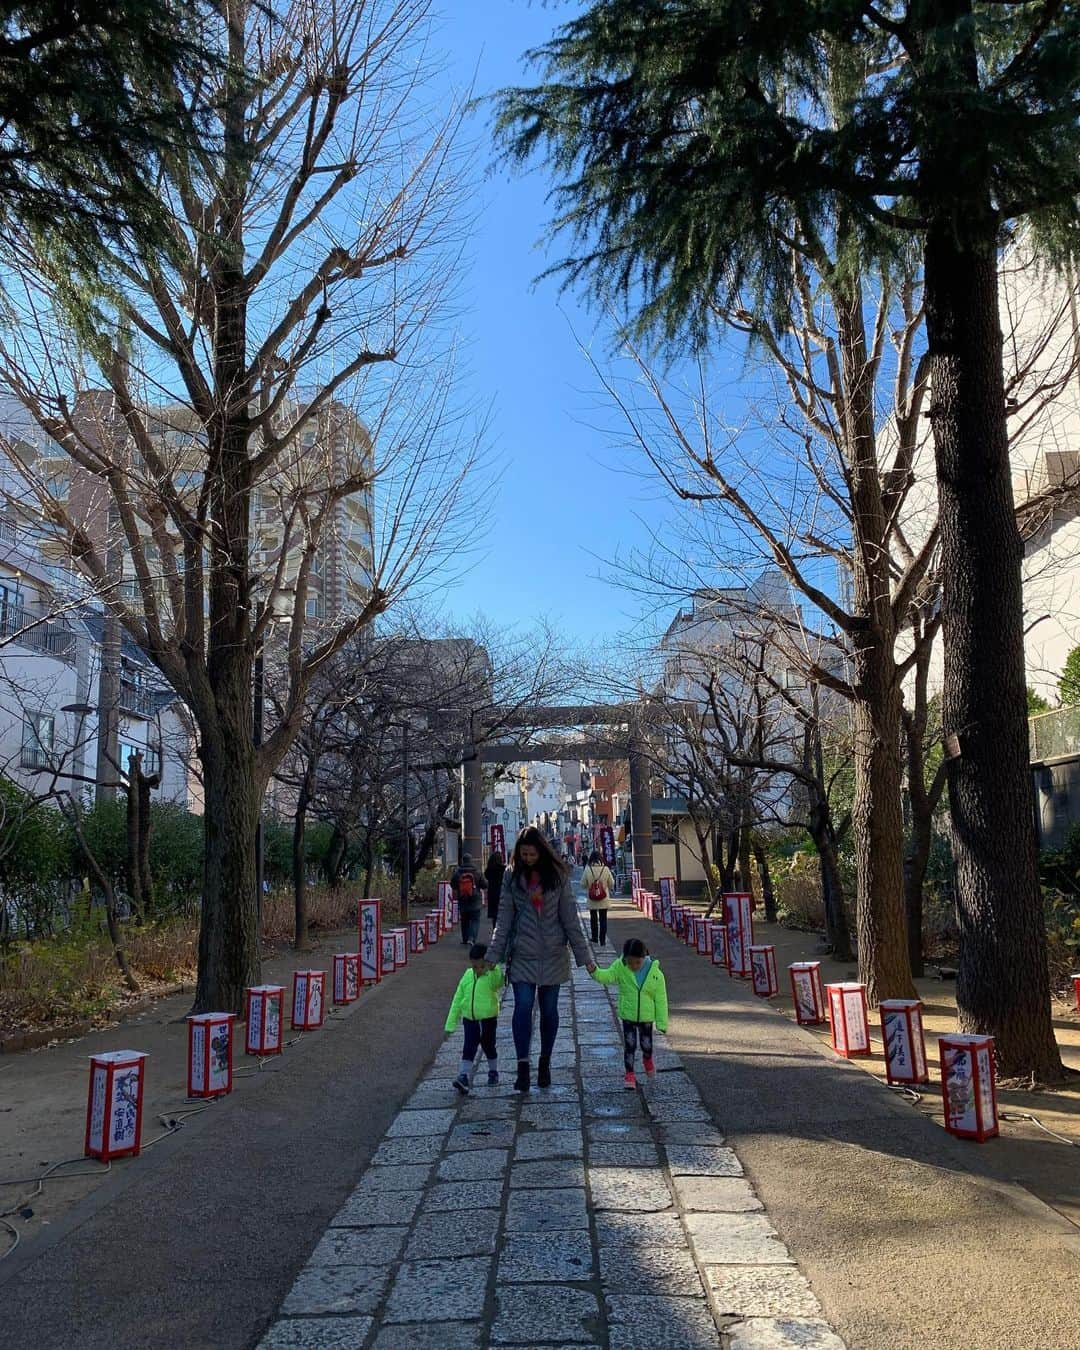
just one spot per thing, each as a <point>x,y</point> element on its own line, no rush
<point>565,493</point>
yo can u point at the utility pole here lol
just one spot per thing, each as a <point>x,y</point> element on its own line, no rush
<point>406,848</point>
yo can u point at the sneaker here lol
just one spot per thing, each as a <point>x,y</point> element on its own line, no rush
<point>630,1082</point>
<point>650,1069</point>
<point>493,1078</point>
<point>462,1084</point>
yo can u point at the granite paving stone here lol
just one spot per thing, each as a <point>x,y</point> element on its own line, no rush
<point>456,1288</point>
<point>689,1160</point>
<point>529,1257</point>
<point>615,1227</point>
<point>487,1108</point>
<point>377,1209</point>
<point>763,1333</point>
<point>359,1247</point>
<point>396,1152</point>
<point>475,1165</point>
<point>447,1196</point>
<point>547,1174</point>
<point>667,1109</point>
<point>546,1211</point>
<point>761,1291</point>
<point>690,1134</point>
<point>551,1116</point>
<point>481,1134</point>
<point>735,1239</point>
<point>629,1188</point>
<point>621,1154</point>
<point>449,1236</point>
<point>614,1106</point>
<point>658,1322</point>
<point>406,1177</point>
<point>318,1333</point>
<point>632,1132</point>
<point>717,1195</point>
<point>337,1289</point>
<point>409,1124</point>
<point>549,1144</point>
<point>431,1336</point>
<point>625,1268</point>
<point>558,1314</point>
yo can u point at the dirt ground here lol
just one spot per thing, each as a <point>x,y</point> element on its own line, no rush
<point>1024,1152</point>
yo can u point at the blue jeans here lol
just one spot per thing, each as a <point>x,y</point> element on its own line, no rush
<point>524,998</point>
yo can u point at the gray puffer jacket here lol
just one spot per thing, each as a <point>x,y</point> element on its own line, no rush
<point>538,950</point>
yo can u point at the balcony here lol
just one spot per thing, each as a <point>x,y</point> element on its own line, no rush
<point>50,636</point>
<point>136,700</point>
<point>37,758</point>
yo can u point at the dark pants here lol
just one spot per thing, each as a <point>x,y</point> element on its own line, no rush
<point>470,926</point>
<point>480,1034</point>
<point>524,999</point>
<point>598,924</point>
<point>630,1033</point>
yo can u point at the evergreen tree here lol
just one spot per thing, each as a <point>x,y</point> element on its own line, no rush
<point>1069,684</point>
<point>692,140</point>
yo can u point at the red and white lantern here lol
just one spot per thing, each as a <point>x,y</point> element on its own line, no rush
<point>114,1105</point>
<point>905,1044</point>
<point>346,977</point>
<point>431,926</point>
<point>849,1019</point>
<point>369,923</point>
<point>1076,990</point>
<point>969,1086</point>
<point>388,954</point>
<point>763,970</point>
<point>718,939</point>
<point>668,894</point>
<point>308,999</point>
<point>635,878</point>
<point>264,1016</point>
<point>210,1054</point>
<point>446,905</point>
<point>401,946</point>
<point>806,993</point>
<point>704,936</point>
<point>417,936</point>
<point>739,920</point>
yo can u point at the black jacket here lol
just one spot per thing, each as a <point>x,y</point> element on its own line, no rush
<point>495,871</point>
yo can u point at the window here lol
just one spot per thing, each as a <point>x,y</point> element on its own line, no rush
<point>314,607</point>
<point>150,759</point>
<point>37,741</point>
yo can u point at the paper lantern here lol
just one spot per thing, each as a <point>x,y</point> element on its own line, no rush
<point>848,1016</point>
<point>417,936</point>
<point>690,931</point>
<point>718,940</point>
<point>431,924</point>
<point>635,879</point>
<point>704,936</point>
<point>905,1044</point>
<point>968,1086</point>
<point>678,920</point>
<point>651,903</point>
<point>667,918</point>
<point>446,905</point>
<point>346,977</point>
<point>806,993</point>
<point>668,893</point>
<point>455,912</point>
<point>210,1054</point>
<point>1076,990</point>
<point>308,988</point>
<point>263,1015</point>
<point>388,959</point>
<point>401,946</point>
<point>114,1105</point>
<point>739,920</point>
<point>763,970</point>
<point>369,921</point>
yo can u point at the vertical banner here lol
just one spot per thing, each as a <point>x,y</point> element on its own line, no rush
<point>667,898</point>
<point>446,904</point>
<point>738,918</point>
<point>635,878</point>
<point>368,924</point>
<point>498,840</point>
<point>607,845</point>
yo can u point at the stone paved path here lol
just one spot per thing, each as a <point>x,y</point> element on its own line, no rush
<point>581,1215</point>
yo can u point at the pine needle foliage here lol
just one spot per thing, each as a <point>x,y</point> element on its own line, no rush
<point>692,141</point>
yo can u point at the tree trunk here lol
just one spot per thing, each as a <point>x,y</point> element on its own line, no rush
<point>1002,983</point>
<point>335,856</point>
<point>923,801</point>
<point>728,860</point>
<point>299,861</point>
<point>768,895</point>
<point>97,873</point>
<point>746,875</point>
<point>145,785</point>
<point>837,934</point>
<point>133,876</point>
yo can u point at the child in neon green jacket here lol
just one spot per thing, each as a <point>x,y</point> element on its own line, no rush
<point>476,1002</point>
<point>642,1003</point>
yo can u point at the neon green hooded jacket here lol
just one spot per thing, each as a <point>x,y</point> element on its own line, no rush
<point>647,1003</point>
<point>476,997</point>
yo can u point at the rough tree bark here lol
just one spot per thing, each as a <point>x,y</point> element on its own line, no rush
<point>1002,981</point>
<point>767,892</point>
<point>299,859</point>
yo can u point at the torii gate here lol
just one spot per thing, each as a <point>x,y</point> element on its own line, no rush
<point>628,742</point>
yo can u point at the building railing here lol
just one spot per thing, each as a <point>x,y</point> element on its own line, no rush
<point>50,636</point>
<point>1054,735</point>
<point>135,699</point>
<point>37,757</point>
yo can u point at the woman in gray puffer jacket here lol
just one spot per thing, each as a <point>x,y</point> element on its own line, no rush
<point>537,920</point>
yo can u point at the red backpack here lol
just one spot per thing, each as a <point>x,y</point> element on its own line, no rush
<point>466,886</point>
<point>597,891</point>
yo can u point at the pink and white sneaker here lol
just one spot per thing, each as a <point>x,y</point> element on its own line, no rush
<point>630,1082</point>
<point>650,1069</point>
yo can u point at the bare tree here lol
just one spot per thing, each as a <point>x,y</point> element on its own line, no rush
<point>286,364</point>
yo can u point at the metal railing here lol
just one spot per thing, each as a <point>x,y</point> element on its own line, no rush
<point>1054,735</point>
<point>51,636</point>
<point>135,699</point>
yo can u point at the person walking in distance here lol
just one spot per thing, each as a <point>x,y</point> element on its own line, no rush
<point>467,883</point>
<point>536,924</point>
<point>599,885</point>
<point>493,875</point>
<point>476,1003</point>
<point>642,1003</point>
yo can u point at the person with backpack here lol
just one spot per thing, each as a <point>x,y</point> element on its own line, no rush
<point>467,883</point>
<point>599,886</point>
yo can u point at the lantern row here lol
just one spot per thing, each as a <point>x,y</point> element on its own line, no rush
<point>967,1062</point>
<point>114,1101</point>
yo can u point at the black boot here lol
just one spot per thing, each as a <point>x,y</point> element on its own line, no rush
<point>521,1082</point>
<point>543,1073</point>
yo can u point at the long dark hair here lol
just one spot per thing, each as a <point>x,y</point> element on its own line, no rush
<point>548,865</point>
